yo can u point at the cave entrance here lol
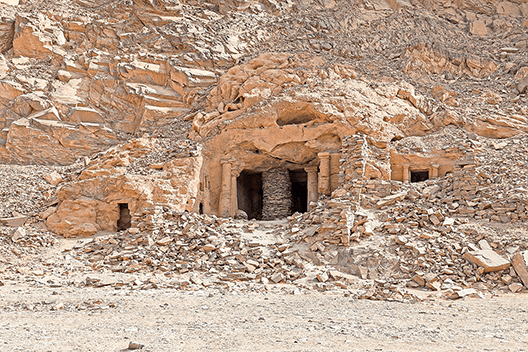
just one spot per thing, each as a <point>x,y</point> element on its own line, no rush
<point>125,220</point>
<point>299,191</point>
<point>286,195</point>
<point>419,176</point>
<point>249,193</point>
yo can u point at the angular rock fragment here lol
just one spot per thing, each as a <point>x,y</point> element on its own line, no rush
<point>53,178</point>
<point>520,263</point>
<point>15,221</point>
<point>487,259</point>
<point>18,234</point>
<point>277,277</point>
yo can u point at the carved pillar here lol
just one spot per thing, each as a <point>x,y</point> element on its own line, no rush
<point>406,174</point>
<point>224,208</point>
<point>324,173</point>
<point>313,194</point>
<point>234,191</point>
<point>434,170</point>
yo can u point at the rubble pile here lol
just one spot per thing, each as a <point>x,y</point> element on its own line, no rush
<point>413,252</point>
<point>194,251</point>
<point>20,242</point>
<point>502,180</point>
<point>409,243</point>
<point>24,190</point>
<point>177,243</point>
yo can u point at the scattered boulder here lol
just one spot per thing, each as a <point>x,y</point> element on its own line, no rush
<point>53,178</point>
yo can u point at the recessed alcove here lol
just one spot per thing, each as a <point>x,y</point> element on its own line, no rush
<point>249,193</point>
<point>125,220</point>
<point>419,176</point>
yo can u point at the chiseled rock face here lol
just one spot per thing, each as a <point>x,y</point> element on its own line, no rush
<point>82,218</point>
<point>9,90</point>
<point>30,41</point>
<point>303,110</point>
<point>280,108</point>
<point>7,31</point>
<point>134,67</point>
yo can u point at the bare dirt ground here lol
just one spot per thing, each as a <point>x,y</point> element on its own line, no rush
<point>106,319</point>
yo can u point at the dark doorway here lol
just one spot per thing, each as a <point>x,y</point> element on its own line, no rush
<point>249,194</point>
<point>299,191</point>
<point>200,208</point>
<point>419,176</point>
<point>125,220</point>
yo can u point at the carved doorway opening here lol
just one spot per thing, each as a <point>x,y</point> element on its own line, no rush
<point>299,191</point>
<point>419,176</point>
<point>249,193</point>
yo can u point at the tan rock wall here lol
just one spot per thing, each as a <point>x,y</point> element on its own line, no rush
<point>90,203</point>
<point>290,129</point>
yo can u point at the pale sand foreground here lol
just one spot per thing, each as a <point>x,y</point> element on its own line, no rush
<point>167,320</point>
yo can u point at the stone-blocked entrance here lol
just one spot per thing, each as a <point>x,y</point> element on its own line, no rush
<point>276,187</point>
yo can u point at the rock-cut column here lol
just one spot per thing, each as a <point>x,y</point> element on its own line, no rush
<point>224,208</point>
<point>324,173</point>
<point>434,170</point>
<point>406,174</point>
<point>234,192</point>
<point>313,193</point>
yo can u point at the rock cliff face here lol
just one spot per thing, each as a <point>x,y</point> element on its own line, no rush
<point>133,176</point>
<point>255,85</point>
<point>391,135</point>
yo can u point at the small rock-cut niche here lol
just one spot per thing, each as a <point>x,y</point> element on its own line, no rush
<point>419,176</point>
<point>294,119</point>
<point>125,219</point>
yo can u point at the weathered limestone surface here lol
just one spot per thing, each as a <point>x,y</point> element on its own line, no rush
<point>520,264</point>
<point>55,142</point>
<point>487,259</point>
<point>136,67</point>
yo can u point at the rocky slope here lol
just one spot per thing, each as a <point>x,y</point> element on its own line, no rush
<point>105,93</point>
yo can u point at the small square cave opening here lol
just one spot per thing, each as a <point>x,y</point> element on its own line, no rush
<point>419,176</point>
<point>125,220</point>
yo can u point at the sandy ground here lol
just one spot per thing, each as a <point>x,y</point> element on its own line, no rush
<point>104,319</point>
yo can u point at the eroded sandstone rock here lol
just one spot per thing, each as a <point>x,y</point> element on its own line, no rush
<point>92,202</point>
